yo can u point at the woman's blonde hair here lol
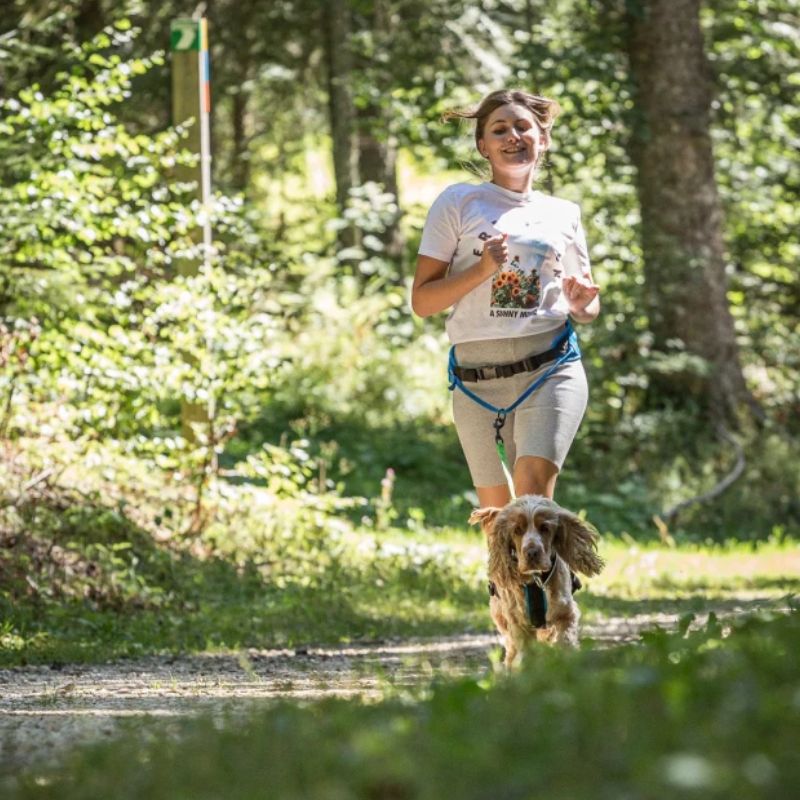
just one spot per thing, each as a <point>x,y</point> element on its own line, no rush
<point>544,110</point>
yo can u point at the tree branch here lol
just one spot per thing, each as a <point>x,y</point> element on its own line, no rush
<point>668,517</point>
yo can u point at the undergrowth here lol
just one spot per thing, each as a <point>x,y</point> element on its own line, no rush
<point>623,479</point>
<point>93,573</point>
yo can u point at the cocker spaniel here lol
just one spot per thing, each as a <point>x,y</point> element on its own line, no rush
<point>535,546</point>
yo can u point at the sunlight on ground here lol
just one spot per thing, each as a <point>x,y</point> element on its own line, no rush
<point>770,570</point>
<point>748,572</point>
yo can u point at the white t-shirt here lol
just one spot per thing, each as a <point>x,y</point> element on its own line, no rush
<point>545,243</point>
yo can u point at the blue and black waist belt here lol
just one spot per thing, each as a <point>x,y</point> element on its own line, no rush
<point>529,364</point>
<point>564,349</point>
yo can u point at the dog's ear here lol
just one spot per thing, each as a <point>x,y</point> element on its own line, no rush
<point>576,542</point>
<point>486,517</point>
<point>502,567</point>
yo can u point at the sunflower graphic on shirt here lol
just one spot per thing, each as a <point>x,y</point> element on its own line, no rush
<point>518,286</point>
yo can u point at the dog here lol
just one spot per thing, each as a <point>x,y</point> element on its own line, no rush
<point>533,541</point>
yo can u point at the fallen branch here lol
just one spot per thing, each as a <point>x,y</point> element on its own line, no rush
<point>36,480</point>
<point>668,517</point>
<point>10,501</point>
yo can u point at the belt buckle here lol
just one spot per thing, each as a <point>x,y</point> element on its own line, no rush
<point>488,373</point>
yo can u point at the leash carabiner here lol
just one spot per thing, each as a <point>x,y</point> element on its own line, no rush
<point>499,421</point>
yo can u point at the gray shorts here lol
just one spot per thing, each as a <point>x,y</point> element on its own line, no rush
<point>544,425</point>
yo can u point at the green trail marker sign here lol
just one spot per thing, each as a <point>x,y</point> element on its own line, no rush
<point>185,34</point>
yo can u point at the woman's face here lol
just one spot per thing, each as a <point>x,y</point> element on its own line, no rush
<point>512,139</point>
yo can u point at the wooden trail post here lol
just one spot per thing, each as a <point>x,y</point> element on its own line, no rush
<point>191,100</point>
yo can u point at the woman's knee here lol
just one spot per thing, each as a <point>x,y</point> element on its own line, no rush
<point>535,475</point>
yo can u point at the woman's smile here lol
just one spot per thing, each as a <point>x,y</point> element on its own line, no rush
<point>512,140</point>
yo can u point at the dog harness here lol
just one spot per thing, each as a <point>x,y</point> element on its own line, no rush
<point>536,596</point>
<point>564,349</point>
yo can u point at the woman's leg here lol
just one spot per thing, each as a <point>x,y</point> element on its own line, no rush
<point>544,428</point>
<point>534,475</point>
<point>493,496</point>
<point>475,427</point>
<point>550,418</point>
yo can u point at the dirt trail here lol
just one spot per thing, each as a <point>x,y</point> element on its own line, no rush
<point>46,710</point>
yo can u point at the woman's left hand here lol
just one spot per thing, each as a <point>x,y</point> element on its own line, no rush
<point>579,293</point>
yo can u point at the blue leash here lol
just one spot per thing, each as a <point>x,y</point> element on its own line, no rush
<point>572,353</point>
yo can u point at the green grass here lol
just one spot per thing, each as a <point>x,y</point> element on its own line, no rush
<point>712,714</point>
<point>180,603</point>
<point>114,591</point>
<point>715,571</point>
<point>87,579</point>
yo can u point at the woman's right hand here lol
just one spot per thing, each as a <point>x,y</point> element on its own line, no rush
<point>495,254</point>
<point>435,289</point>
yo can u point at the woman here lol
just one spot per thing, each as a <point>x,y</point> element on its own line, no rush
<point>512,265</point>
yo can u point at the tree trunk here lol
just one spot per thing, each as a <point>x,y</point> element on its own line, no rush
<point>377,146</point>
<point>337,21</point>
<point>685,281</point>
<point>240,157</point>
<point>377,161</point>
<point>89,19</point>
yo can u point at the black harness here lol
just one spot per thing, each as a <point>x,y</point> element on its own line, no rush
<point>536,596</point>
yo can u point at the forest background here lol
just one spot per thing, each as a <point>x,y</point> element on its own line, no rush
<point>322,462</point>
<point>327,149</point>
<point>678,138</point>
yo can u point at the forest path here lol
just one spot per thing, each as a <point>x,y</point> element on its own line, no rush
<point>46,710</point>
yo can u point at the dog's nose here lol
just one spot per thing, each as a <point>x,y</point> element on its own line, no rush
<point>534,554</point>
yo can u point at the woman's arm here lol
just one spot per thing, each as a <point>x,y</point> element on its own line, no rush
<point>434,290</point>
<point>579,288</point>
